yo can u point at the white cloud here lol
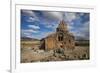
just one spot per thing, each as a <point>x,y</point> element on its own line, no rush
<point>83,31</point>
<point>28,31</point>
<point>28,12</point>
<point>70,16</point>
<point>31,14</point>
<point>59,16</point>
<point>34,26</point>
<point>32,19</point>
<point>49,26</point>
<point>49,19</point>
<point>53,15</point>
<point>27,35</point>
<point>85,27</point>
<point>80,32</point>
<point>43,34</point>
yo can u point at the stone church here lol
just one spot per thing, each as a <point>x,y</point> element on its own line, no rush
<point>62,38</point>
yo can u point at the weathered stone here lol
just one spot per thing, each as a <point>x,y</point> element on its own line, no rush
<point>61,39</point>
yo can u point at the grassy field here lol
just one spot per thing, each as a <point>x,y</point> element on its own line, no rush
<point>30,55</point>
<point>30,52</point>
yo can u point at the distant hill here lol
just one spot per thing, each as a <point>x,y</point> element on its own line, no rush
<point>82,43</point>
<point>79,38</point>
<point>28,39</point>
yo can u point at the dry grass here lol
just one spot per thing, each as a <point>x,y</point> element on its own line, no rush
<point>30,55</point>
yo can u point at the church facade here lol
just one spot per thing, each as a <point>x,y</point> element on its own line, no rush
<point>62,38</point>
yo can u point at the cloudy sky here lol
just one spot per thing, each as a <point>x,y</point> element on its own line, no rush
<point>38,24</point>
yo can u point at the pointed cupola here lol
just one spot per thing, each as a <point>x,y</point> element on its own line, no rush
<point>62,26</point>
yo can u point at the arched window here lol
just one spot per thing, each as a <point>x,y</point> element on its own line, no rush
<point>60,37</point>
<point>69,41</point>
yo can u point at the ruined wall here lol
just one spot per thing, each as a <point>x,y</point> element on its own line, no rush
<point>60,39</point>
<point>50,43</point>
<point>53,42</point>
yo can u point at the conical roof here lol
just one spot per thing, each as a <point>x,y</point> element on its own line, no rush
<point>62,26</point>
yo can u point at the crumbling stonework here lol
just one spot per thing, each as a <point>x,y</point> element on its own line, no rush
<point>60,39</point>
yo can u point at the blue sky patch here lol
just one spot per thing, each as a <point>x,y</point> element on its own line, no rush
<point>38,24</point>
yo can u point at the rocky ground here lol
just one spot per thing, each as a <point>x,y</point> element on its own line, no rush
<point>30,55</point>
